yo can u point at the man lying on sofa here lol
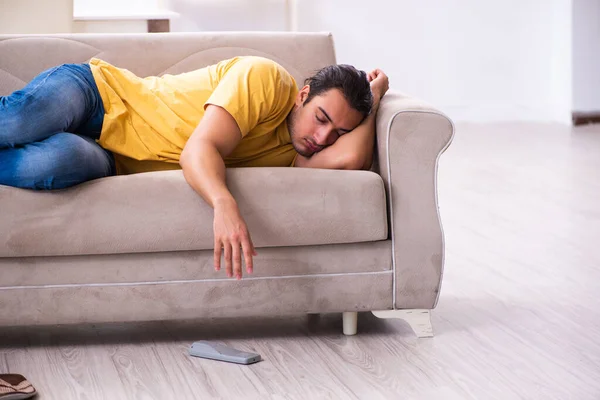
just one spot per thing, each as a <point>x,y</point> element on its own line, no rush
<point>78,122</point>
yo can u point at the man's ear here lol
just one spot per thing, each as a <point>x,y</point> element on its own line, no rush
<point>302,95</point>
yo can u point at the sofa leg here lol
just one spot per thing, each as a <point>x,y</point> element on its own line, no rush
<point>350,320</point>
<point>419,320</point>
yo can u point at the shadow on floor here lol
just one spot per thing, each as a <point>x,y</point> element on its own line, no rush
<point>192,330</point>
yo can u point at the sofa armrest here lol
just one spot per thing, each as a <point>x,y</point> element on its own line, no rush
<point>411,135</point>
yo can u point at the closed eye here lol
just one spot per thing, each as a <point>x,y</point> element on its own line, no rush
<point>323,121</point>
<point>340,132</point>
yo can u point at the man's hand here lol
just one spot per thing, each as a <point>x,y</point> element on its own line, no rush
<point>379,85</point>
<point>232,237</point>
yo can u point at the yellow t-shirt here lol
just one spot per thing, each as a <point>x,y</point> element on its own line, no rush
<point>148,121</point>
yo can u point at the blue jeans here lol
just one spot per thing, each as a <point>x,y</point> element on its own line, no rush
<point>48,131</point>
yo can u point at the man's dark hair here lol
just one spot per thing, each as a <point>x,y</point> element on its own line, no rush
<point>350,81</point>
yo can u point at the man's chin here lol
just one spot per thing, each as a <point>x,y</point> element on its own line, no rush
<point>306,154</point>
<point>303,151</point>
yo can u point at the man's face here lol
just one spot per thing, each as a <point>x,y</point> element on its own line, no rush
<point>320,122</point>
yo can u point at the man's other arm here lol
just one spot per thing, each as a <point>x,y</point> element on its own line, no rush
<point>215,138</point>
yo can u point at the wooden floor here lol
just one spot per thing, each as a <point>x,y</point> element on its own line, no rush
<point>518,317</point>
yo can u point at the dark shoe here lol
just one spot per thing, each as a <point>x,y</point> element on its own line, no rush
<point>15,387</point>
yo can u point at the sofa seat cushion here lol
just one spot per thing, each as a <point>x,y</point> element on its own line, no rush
<point>159,211</point>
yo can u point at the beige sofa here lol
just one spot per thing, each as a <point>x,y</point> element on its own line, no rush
<point>139,247</point>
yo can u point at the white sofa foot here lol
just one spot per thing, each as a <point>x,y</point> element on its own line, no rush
<point>350,320</point>
<point>419,320</point>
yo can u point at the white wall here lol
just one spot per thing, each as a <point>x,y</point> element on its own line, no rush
<point>228,15</point>
<point>476,60</point>
<point>36,16</point>
<point>586,55</point>
<point>112,6</point>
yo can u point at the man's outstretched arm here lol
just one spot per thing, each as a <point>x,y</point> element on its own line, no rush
<point>353,150</point>
<point>215,138</point>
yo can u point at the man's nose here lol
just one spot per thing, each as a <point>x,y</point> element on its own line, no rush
<point>322,137</point>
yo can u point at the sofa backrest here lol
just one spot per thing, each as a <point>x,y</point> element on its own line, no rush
<point>22,57</point>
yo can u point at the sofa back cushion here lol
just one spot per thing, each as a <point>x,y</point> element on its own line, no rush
<point>22,57</point>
